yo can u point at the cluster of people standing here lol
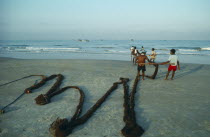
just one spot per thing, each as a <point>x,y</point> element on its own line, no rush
<point>140,57</point>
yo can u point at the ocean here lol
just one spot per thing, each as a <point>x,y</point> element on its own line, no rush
<point>188,51</point>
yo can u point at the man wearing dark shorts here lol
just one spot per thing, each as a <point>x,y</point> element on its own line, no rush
<point>143,68</point>
<point>141,63</point>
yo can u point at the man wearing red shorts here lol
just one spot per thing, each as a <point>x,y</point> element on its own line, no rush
<point>174,63</point>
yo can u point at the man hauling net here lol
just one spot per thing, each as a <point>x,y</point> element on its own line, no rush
<point>140,59</point>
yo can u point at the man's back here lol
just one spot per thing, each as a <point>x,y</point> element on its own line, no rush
<point>173,59</point>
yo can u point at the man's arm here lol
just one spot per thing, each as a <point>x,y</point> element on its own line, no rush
<point>148,60</point>
<point>163,63</point>
<point>178,65</point>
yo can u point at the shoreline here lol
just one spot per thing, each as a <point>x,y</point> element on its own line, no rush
<point>163,108</point>
<point>10,58</point>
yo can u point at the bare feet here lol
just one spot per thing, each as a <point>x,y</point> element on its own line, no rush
<point>143,79</point>
<point>165,79</point>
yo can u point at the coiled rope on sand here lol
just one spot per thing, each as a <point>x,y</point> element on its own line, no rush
<point>64,127</point>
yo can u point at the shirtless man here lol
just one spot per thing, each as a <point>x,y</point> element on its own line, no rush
<point>141,63</point>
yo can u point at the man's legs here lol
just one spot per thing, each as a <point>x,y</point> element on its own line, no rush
<point>167,75</point>
<point>173,73</point>
<point>134,60</point>
<point>138,73</point>
<point>142,75</point>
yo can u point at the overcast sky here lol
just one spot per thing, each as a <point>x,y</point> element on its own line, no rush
<point>105,19</point>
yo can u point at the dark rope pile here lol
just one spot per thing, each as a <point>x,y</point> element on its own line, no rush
<point>131,129</point>
<point>43,99</point>
<point>64,127</point>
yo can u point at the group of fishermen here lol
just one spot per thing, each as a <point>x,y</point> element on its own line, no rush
<point>135,53</point>
<point>139,56</point>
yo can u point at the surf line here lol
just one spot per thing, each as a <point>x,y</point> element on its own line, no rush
<point>64,127</point>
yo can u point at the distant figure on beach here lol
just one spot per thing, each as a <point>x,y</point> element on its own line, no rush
<point>132,49</point>
<point>153,55</point>
<point>140,59</point>
<point>134,53</point>
<point>174,62</point>
<point>142,48</point>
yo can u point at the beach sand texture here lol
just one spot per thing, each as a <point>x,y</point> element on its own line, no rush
<point>178,108</point>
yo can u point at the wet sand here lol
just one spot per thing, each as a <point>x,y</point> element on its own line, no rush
<point>178,108</point>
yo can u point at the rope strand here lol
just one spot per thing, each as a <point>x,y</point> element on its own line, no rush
<point>64,127</point>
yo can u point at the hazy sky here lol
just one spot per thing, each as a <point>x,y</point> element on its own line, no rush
<point>105,19</point>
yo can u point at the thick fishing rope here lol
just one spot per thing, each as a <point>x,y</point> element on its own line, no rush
<point>2,110</point>
<point>63,127</point>
<point>155,72</point>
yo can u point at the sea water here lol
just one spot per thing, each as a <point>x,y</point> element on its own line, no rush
<point>188,51</point>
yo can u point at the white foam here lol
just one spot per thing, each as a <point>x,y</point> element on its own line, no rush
<point>42,48</point>
<point>205,48</point>
<point>117,51</point>
<point>188,50</point>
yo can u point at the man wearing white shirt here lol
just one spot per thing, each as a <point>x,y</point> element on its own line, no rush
<point>134,53</point>
<point>174,63</point>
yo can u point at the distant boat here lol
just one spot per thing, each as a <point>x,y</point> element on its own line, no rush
<point>83,40</point>
<point>132,39</point>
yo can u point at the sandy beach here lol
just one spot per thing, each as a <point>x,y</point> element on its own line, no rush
<point>178,108</point>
